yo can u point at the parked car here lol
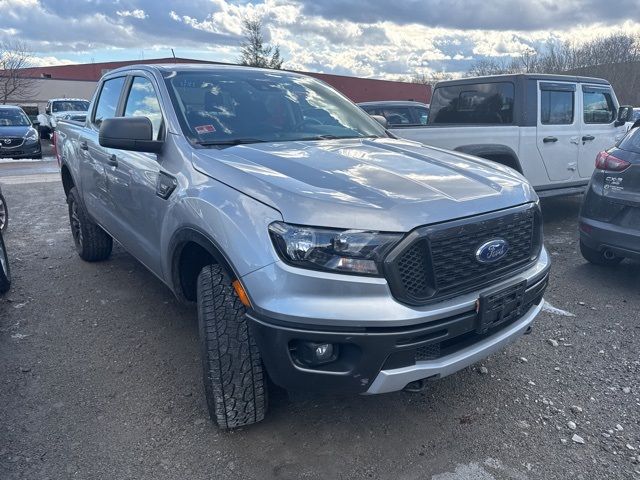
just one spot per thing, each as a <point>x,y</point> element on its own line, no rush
<point>610,213</point>
<point>18,138</point>
<point>61,108</point>
<point>319,250</point>
<point>547,127</point>
<point>399,114</point>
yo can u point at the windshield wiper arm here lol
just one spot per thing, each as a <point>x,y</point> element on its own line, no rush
<point>235,141</point>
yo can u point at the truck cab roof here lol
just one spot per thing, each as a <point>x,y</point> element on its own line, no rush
<point>521,77</point>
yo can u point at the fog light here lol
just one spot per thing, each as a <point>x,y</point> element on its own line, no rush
<point>315,353</point>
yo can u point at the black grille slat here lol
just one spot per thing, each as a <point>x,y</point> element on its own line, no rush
<point>442,261</point>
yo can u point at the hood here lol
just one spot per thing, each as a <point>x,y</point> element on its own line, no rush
<point>16,131</point>
<point>59,115</point>
<point>371,184</point>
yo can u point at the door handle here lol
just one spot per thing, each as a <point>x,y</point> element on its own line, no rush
<point>587,138</point>
<point>84,146</point>
<point>549,139</point>
<point>112,160</point>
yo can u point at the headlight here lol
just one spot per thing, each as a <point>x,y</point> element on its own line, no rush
<point>32,135</point>
<point>345,251</point>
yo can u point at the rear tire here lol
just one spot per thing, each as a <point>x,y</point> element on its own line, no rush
<point>92,242</point>
<point>5,271</point>
<point>234,379</point>
<point>597,256</point>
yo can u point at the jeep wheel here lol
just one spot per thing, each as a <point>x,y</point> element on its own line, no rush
<point>599,257</point>
<point>234,378</point>
<point>5,271</point>
<point>92,243</point>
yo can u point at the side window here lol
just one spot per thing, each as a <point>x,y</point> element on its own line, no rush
<point>556,107</point>
<point>108,100</point>
<point>422,114</point>
<point>598,107</point>
<point>479,104</point>
<point>143,102</point>
<point>397,116</point>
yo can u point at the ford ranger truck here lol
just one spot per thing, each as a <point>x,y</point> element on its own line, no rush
<point>319,251</point>
<point>547,127</point>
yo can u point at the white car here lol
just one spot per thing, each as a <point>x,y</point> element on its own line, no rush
<point>548,127</point>
<point>61,108</point>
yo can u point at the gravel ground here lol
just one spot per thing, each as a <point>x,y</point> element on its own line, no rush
<point>101,379</point>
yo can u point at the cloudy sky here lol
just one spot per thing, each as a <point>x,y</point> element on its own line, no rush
<point>372,38</point>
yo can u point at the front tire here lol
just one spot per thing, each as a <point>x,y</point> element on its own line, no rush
<point>234,378</point>
<point>597,257</point>
<point>92,242</point>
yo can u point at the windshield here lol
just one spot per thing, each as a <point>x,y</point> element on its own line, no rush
<point>12,117</point>
<point>70,106</point>
<point>248,106</point>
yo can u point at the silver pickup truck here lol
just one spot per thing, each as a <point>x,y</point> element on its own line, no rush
<point>320,251</point>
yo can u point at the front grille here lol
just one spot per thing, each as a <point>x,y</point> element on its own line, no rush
<point>10,153</point>
<point>440,261</point>
<point>11,142</point>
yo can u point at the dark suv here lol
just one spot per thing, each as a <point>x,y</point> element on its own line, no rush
<point>610,215</point>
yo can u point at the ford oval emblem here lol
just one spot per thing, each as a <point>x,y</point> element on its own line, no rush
<point>492,251</point>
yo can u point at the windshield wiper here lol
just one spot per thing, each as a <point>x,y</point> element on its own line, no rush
<point>235,141</point>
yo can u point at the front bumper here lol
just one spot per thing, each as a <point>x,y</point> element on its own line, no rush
<point>384,356</point>
<point>23,151</point>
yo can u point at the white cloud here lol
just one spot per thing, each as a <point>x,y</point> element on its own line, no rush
<point>137,13</point>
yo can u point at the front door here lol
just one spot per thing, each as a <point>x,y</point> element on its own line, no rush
<point>558,129</point>
<point>598,130</point>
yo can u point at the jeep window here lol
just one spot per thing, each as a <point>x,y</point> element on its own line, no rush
<point>556,107</point>
<point>70,106</point>
<point>143,102</point>
<point>245,106</point>
<point>108,101</point>
<point>13,117</point>
<point>598,107</point>
<point>482,103</point>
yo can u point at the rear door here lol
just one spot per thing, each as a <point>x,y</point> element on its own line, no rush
<point>598,130</point>
<point>133,180</point>
<point>558,129</point>
<point>96,160</point>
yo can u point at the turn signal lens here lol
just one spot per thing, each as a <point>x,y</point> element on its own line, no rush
<point>242,294</point>
<point>606,161</point>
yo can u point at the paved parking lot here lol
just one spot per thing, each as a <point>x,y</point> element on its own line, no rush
<point>101,379</point>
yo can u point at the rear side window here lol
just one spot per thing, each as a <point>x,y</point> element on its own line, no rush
<point>482,103</point>
<point>556,107</point>
<point>397,116</point>
<point>631,141</point>
<point>108,101</point>
<point>598,107</point>
<point>422,114</point>
<point>143,102</point>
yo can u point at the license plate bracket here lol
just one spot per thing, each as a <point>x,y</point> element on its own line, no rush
<point>500,306</point>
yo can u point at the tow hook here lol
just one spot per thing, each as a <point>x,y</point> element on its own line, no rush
<point>416,386</point>
<point>528,330</point>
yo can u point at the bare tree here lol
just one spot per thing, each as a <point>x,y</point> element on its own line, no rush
<point>254,52</point>
<point>14,83</point>
<point>430,78</point>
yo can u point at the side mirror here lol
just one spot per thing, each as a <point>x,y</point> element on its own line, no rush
<point>625,114</point>
<point>381,120</point>
<point>129,133</point>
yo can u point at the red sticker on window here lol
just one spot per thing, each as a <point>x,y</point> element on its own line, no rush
<point>205,129</point>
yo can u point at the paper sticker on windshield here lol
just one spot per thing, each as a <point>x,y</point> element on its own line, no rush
<point>205,129</point>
